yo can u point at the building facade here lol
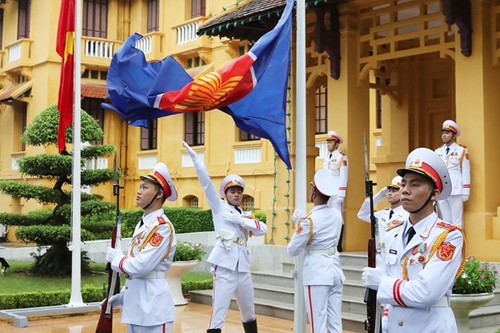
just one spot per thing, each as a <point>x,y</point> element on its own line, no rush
<point>393,69</point>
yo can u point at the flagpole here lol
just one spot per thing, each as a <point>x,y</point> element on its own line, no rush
<point>300,159</point>
<point>76,294</point>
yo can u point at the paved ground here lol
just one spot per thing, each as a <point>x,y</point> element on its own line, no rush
<point>190,318</point>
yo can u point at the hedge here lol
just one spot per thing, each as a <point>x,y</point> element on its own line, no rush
<point>90,294</point>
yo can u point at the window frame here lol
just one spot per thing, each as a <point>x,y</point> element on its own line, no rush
<point>149,136</point>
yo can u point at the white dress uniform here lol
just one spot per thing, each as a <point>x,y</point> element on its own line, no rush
<point>317,234</point>
<point>337,165</point>
<point>230,258</point>
<point>146,296</point>
<point>382,216</point>
<point>420,276</point>
<point>458,164</point>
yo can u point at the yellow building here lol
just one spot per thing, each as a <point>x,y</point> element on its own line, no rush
<point>391,69</point>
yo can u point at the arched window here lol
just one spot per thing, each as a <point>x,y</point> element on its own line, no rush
<point>191,201</point>
<point>321,106</point>
<point>248,203</point>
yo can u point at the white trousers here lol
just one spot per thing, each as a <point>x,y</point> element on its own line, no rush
<point>452,210</point>
<point>164,328</point>
<point>324,308</point>
<point>227,283</point>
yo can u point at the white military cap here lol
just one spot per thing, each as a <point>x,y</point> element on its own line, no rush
<point>450,125</point>
<point>396,182</point>
<point>332,135</point>
<point>231,181</point>
<point>325,183</point>
<point>426,162</point>
<point>161,177</point>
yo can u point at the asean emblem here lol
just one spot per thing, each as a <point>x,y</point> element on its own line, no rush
<point>445,251</point>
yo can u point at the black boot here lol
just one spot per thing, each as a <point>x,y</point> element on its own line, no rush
<point>250,326</point>
<point>339,245</point>
<point>214,330</point>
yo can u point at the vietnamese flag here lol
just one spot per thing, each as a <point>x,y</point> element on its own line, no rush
<point>65,47</point>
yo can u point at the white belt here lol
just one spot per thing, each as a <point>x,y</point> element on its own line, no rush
<point>443,302</point>
<point>150,275</point>
<point>329,251</point>
<point>240,240</point>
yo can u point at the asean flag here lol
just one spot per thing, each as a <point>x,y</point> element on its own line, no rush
<point>252,88</point>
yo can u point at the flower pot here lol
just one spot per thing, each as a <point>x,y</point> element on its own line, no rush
<point>173,276</point>
<point>463,304</point>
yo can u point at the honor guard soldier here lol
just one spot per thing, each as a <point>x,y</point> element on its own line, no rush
<point>317,234</point>
<point>385,216</point>
<point>423,254</point>
<point>337,165</point>
<point>230,259</point>
<point>147,303</point>
<point>456,158</point>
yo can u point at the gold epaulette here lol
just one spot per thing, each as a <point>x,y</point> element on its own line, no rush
<point>393,224</point>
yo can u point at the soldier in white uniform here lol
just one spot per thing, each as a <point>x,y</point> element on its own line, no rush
<point>317,234</point>
<point>147,303</point>
<point>337,165</point>
<point>456,158</point>
<point>229,259</point>
<point>423,254</point>
<point>396,213</point>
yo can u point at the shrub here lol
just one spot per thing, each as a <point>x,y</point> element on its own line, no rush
<point>477,277</point>
<point>186,251</point>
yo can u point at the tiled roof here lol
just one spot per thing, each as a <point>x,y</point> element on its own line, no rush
<point>15,91</point>
<point>94,90</point>
<point>246,9</point>
<point>248,20</point>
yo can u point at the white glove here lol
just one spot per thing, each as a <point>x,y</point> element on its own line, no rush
<point>385,322</point>
<point>465,198</point>
<point>112,253</point>
<point>114,301</point>
<point>191,152</point>
<point>371,277</point>
<point>233,218</point>
<point>380,195</point>
<point>297,215</point>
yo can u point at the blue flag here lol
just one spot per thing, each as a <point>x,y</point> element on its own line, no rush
<point>251,88</point>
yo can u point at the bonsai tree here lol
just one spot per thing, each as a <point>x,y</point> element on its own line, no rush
<point>53,226</point>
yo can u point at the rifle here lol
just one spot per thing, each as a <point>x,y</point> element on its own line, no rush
<point>105,323</point>
<point>372,322</point>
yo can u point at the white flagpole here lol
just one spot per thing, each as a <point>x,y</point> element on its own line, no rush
<point>300,159</point>
<point>76,269</point>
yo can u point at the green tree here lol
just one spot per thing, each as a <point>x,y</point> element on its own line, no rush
<point>53,227</point>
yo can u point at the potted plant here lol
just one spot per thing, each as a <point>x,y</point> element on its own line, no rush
<point>187,255</point>
<point>472,289</point>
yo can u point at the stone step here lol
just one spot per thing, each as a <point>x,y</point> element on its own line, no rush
<point>269,307</point>
<point>274,296</point>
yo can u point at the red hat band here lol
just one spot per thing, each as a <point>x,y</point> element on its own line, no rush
<point>233,183</point>
<point>450,128</point>
<point>421,166</point>
<point>163,182</point>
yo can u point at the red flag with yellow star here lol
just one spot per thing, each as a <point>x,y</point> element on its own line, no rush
<point>65,47</point>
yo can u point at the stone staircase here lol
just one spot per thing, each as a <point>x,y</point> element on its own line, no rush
<point>274,295</point>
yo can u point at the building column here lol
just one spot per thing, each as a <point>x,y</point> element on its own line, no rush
<point>478,116</point>
<point>348,114</point>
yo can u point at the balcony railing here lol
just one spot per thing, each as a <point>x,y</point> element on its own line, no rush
<point>18,54</point>
<point>98,51</point>
<point>187,32</point>
<point>150,44</point>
